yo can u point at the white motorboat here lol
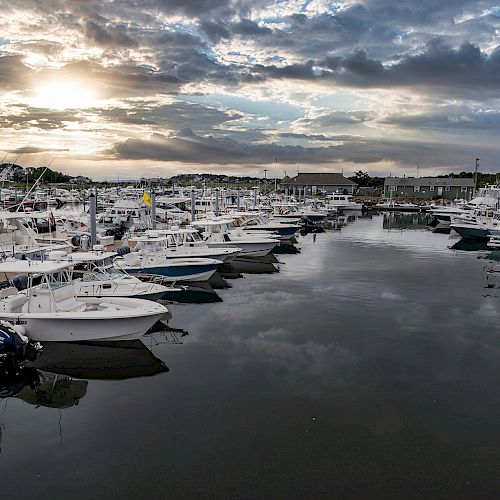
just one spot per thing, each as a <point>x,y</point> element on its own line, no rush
<point>342,202</point>
<point>95,275</point>
<point>51,311</point>
<point>187,242</point>
<point>442,216</point>
<point>17,236</point>
<point>394,206</point>
<point>252,222</point>
<point>220,232</point>
<point>295,212</point>
<point>150,256</point>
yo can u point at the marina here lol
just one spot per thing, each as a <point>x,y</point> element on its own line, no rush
<point>249,250</point>
<point>362,356</point>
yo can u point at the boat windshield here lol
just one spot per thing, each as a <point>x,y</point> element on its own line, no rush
<point>58,280</point>
<point>114,272</point>
<point>193,237</point>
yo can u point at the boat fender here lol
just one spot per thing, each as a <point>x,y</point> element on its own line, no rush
<point>21,331</point>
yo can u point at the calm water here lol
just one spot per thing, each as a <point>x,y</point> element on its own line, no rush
<point>368,366</point>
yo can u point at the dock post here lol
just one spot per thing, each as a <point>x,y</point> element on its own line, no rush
<point>153,209</point>
<point>193,205</point>
<point>93,222</point>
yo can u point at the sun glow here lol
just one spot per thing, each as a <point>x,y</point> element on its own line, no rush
<point>66,94</point>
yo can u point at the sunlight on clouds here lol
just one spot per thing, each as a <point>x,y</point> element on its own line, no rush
<point>66,94</point>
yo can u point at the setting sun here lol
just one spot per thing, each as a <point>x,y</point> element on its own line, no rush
<point>67,94</point>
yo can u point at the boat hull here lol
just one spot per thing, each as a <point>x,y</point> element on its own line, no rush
<point>249,249</point>
<point>201,272</point>
<point>471,232</point>
<point>282,230</point>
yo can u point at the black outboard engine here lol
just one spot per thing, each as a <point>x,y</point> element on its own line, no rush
<point>15,346</point>
<point>20,281</point>
<point>122,250</point>
<point>117,232</point>
<point>81,241</point>
<point>75,240</point>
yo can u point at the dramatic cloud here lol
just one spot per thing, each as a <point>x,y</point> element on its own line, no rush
<point>378,84</point>
<point>190,148</point>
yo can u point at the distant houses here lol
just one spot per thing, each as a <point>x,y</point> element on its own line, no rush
<point>315,183</point>
<point>80,179</point>
<point>428,187</point>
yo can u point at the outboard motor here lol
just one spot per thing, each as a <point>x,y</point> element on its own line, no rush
<point>122,250</point>
<point>75,240</point>
<point>15,345</point>
<point>20,282</point>
<point>117,232</point>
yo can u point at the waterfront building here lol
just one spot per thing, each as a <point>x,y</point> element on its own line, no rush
<point>428,188</point>
<point>322,182</point>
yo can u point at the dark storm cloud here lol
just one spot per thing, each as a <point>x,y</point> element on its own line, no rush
<point>423,12</point>
<point>190,148</point>
<point>317,137</point>
<point>35,150</point>
<point>174,116</point>
<point>450,118</point>
<point>109,36</point>
<point>464,71</point>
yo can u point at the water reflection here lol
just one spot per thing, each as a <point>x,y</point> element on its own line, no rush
<point>470,246</point>
<point>199,293</point>
<point>397,220</point>
<point>54,391</point>
<point>261,265</point>
<point>285,248</point>
<point>100,360</point>
<point>51,380</point>
<point>370,362</point>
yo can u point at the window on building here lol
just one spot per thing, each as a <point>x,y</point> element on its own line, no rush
<point>416,189</point>
<point>447,188</point>
<point>464,190</point>
<point>393,188</point>
<point>431,188</point>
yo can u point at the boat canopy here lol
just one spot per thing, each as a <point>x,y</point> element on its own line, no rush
<point>33,266</point>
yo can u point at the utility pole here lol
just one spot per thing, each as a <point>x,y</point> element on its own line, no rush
<point>475,176</point>
<point>276,176</point>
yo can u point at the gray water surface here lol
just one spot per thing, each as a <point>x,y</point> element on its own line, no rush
<point>367,367</point>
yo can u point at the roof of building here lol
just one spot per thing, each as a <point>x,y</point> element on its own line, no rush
<point>429,181</point>
<point>320,179</point>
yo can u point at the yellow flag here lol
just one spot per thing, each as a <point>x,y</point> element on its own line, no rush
<point>147,199</point>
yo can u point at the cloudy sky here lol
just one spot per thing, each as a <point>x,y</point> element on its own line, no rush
<point>159,87</point>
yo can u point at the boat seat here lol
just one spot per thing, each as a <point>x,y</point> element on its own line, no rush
<point>10,304</point>
<point>66,300</point>
<point>5,292</point>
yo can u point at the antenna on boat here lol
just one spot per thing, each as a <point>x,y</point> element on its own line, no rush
<point>34,185</point>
